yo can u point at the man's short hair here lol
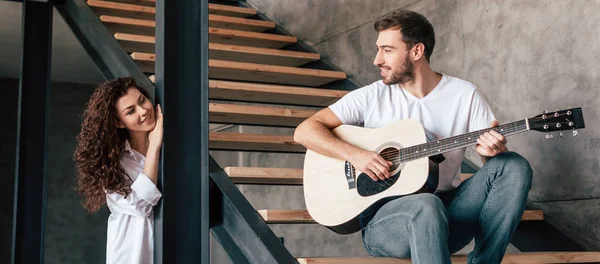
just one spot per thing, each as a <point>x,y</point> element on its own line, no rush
<point>414,28</point>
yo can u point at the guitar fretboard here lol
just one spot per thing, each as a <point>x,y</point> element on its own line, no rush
<point>456,142</point>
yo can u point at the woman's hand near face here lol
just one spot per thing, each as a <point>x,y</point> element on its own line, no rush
<point>156,135</point>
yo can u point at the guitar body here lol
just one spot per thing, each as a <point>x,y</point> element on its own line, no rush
<point>336,194</point>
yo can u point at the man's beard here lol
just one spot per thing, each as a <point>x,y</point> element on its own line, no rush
<point>403,74</point>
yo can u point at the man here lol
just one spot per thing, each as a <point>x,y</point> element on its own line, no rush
<point>427,227</point>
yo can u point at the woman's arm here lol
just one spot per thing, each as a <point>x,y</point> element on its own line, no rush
<point>143,197</point>
<point>155,137</point>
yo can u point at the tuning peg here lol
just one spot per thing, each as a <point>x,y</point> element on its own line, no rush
<point>549,136</point>
<point>545,111</point>
<point>575,133</point>
<point>560,134</point>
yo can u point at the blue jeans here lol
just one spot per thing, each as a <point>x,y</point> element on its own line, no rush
<point>428,227</point>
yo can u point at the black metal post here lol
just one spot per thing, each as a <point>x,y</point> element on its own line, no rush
<point>182,223</point>
<point>32,130</point>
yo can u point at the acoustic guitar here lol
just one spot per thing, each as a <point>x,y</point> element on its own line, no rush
<point>336,193</point>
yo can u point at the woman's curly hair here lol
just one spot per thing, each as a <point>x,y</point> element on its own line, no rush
<point>101,143</point>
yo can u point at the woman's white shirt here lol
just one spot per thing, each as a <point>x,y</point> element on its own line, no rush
<point>130,232</point>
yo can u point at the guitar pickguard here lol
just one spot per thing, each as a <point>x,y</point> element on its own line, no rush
<point>367,187</point>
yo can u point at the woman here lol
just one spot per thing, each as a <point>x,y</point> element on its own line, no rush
<point>117,162</point>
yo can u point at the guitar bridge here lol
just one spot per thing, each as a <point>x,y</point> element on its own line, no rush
<point>349,172</point>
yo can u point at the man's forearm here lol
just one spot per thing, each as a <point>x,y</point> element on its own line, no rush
<point>317,137</point>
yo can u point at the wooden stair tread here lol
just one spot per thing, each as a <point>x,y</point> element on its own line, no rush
<point>117,24</point>
<point>237,23</point>
<point>144,43</point>
<point>234,11</point>
<point>244,71</point>
<point>521,258</point>
<point>245,38</point>
<point>253,142</point>
<point>236,53</point>
<point>136,2</point>
<point>271,93</point>
<point>260,175</point>
<point>303,217</point>
<point>122,9</point>
<point>143,10</point>
<point>255,175</point>
<point>121,24</point>
<point>257,115</point>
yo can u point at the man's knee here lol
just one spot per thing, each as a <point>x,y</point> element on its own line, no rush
<point>515,168</point>
<point>429,208</point>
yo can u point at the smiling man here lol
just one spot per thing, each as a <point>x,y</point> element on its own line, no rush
<point>427,227</point>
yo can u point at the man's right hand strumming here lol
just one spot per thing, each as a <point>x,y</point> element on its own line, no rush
<point>370,163</point>
<point>315,134</point>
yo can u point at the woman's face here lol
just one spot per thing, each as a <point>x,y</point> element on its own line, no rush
<point>135,112</point>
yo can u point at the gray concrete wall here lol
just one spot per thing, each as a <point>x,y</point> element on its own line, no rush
<point>525,56</point>
<point>71,234</point>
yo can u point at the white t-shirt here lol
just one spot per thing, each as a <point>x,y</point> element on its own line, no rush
<point>452,108</point>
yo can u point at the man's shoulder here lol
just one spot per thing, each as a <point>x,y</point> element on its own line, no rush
<point>460,83</point>
<point>374,88</point>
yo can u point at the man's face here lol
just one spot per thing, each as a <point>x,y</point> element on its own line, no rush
<point>393,58</point>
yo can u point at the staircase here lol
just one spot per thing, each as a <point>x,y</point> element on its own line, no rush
<point>257,80</point>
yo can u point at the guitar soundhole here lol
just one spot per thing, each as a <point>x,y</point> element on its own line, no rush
<point>367,187</point>
<point>391,154</point>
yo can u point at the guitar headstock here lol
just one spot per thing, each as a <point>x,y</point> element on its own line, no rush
<point>562,120</point>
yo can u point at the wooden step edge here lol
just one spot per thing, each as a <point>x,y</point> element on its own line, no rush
<point>250,50</point>
<point>233,9</point>
<point>137,2</point>
<point>286,216</point>
<point>264,51</point>
<point>211,18</point>
<point>127,21</point>
<point>303,217</point>
<point>231,141</point>
<point>240,20</point>
<point>251,35</point>
<point>274,88</point>
<point>260,110</point>
<point>254,67</point>
<point>135,38</point>
<point>257,175</point>
<point>270,88</point>
<point>213,7</point>
<point>231,33</point>
<point>254,138</point>
<point>122,6</point>
<point>143,56</point>
<point>241,11</point>
<point>246,66</point>
<point>521,258</point>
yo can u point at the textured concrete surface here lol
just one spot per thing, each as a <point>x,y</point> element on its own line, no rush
<point>578,219</point>
<point>322,20</point>
<point>71,234</point>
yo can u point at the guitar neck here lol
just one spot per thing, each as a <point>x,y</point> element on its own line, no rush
<point>461,141</point>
